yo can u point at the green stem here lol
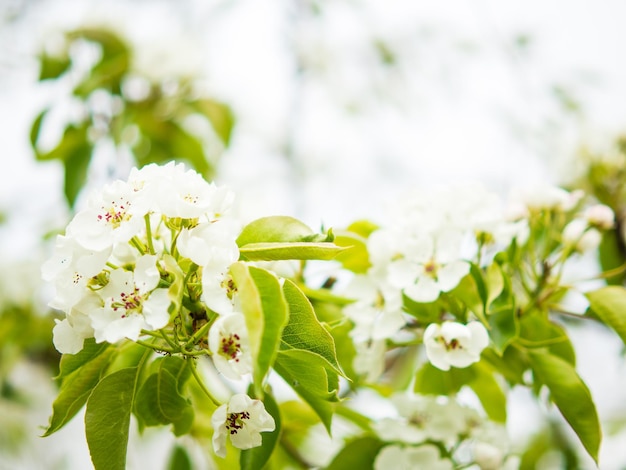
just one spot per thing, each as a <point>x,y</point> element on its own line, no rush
<point>137,244</point>
<point>202,331</point>
<point>155,347</point>
<point>149,234</point>
<point>201,384</point>
<point>355,417</point>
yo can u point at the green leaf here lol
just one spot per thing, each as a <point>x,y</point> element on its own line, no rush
<point>51,67</point>
<point>472,292</point>
<point>511,364</point>
<point>489,392</point>
<point>179,459</point>
<point>76,165</point>
<point>71,362</point>
<point>363,228</point>
<point>114,62</point>
<point>304,331</point>
<point>609,305</point>
<point>107,419</point>
<point>358,454</point>
<point>494,283</point>
<point>274,229</point>
<point>290,250</point>
<point>432,381</point>
<point>311,378</point>
<point>537,331</point>
<point>257,457</point>
<point>78,382</point>
<point>571,396</point>
<point>159,401</point>
<point>266,312</point>
<point>356,257</point>
<point>503,328</point>
<point>220,116</point>
<point>35,129</point>
<point>611,255</point>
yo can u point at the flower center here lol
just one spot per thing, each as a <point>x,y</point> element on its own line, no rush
<point>235,421</point>
<point>191,199</point>
<point>129,302</point>
<point>116,213</point>
<point>452,345</point>
<point>430,268</point>
<point>231,347</point>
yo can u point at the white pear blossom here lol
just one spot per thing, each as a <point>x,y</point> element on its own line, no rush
<point>600,216</point>
<point>211,245</point>
<point>430,265</point>
<point>132,302</point>
<point>370,359</point>
<point>188,195</point>
<point>377,310</point>
<point>70,267</point>
<point>423,418</point>
<point>540,197</point>
<point>229,346</point>
<point>580,236</point>
<point>113,215</point>
<point>69,334</point>
<point>455,344</point>
<point>243,420</point>
<point>399,457</point>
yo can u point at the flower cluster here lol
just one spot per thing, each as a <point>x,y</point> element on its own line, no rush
<point>110,269</point>
<point>434,432</point>
<point>149,257</point>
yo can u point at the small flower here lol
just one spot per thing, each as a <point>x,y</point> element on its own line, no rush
<point>410,458</point>
<point>455,344</point>
<point>113,215</point>
<point>430,266</point>
<point>377,310</point>
<point>243,420</point>
<point>70,267</point>
<point>131,303</point>
<point>69,334</point>
<point>423,418</point>
<point>228,343</point>
<point>211,245</point>
<point>600,216</point>
<point>578,235</point>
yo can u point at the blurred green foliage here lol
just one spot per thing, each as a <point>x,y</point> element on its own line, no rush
<point>146,116</point>
<point>604,177</point>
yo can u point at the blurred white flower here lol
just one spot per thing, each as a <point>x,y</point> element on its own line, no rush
<point>370,359</point>
<point>425,418</point>
<point>377,311</point>
<point>600,216</point>
<point>455,344</point>
<point>243,420</point>
<point>582,238</point>
<point>229,346</point>
<point>398,457</point>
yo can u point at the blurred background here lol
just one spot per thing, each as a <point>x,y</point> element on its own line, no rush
<point>323,110</point>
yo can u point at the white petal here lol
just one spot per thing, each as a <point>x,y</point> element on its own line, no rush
<point>155,308</point>
<point>449,275</point>
<point>146,274</point>
<point>426,289</point>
